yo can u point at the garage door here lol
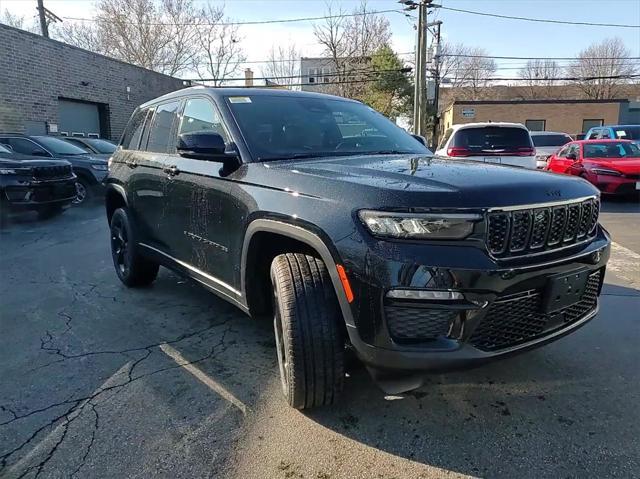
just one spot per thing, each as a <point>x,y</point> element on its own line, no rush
<point>78,118</point>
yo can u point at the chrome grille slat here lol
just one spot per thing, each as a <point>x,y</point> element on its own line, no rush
<point>516,232</point>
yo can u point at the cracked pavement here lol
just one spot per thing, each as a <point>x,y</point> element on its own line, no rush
<point>87,391</point>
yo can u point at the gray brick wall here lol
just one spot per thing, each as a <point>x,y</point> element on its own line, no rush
<point>35,72</point>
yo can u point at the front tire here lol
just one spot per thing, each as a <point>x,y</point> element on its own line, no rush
<point>309,339</point>
<point>84,192</point>
<point>132,269</point>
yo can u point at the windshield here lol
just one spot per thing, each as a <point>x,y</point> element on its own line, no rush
<point>103,146</point>
<point>489,139</point>
<point>613,150</point>
<point>627,132</point>
<point>4,149</point>
<point>58,146</point>
<point>281,127</point>
<point>550,140</point>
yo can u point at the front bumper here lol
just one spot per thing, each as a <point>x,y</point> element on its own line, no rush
<point>32,195</point>
<point>499,316</point>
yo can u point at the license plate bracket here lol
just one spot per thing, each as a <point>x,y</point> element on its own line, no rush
<point>564,290</point>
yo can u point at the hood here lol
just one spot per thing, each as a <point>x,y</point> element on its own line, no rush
<point>410,180</point>
<point>88,158</point>
<point>26,161</point>
<point>628,166</point>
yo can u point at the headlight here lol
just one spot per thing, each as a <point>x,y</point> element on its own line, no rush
<point>606,172</point>
<point>100,167</point>
<point>418,225</point>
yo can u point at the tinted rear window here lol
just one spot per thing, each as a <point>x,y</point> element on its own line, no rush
<point>627,132</point>
<point>550,140</point>
<point>488,139</point>
<point>133,132</point>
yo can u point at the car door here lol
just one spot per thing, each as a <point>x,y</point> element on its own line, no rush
<point>202,209</point>
<point>574,165</point>
<point>557,161</point>
<point>153,161</point>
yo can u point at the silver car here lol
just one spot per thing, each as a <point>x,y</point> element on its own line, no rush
<point>546,144</point>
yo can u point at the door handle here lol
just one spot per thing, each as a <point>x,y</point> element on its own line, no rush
<point>171,170</point>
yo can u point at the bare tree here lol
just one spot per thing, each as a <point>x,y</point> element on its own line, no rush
<point>539,76</point>
<point>610,58</point>
<point>466,69</point>
<point>220,53</point>
<point>283,65</point>
<point>349,43</point>
<point>154,35</point>
<point>18,21</point>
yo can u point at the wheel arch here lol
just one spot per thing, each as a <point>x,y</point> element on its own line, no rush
<point>115,197</point>
<point>263,230</point>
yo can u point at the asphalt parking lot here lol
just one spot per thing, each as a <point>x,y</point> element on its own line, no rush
<point>100,381</point>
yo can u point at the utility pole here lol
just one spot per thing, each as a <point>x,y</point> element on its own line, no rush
<point>44,27</point>
<point>436,79</point>
<point>420,79</point>
<point>46,16</point>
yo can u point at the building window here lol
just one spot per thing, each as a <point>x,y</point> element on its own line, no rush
<point>313,73</point>
<point>326,75</point>
<point>588,124</point>
<point>536,125</point>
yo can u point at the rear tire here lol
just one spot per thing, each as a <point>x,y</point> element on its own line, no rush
<point>132,269</point>
<point>309,339</point>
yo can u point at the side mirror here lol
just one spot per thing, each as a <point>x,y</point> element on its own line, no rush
<point>202,145</point>
<point>421,139</point>
<point>572,156</point>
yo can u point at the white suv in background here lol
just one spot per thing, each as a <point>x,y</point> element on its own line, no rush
<point>547,143</point>
<point>502,143</point>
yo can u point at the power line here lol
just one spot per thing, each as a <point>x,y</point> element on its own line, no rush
<point>536,58</point>
<point>257,22</point>
<point>540,20</point>
<point>588,78</point>
<point>319,75</point>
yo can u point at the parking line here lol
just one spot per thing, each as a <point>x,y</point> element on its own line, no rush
<point>625,264</point>
<point>206,380</point>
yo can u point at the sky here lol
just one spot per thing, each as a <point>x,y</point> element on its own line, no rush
<point>498,36</point>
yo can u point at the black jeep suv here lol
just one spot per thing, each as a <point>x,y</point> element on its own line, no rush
<point>31,183</point>
<point>321,213</point>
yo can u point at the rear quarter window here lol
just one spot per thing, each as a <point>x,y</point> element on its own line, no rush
<point>550,140</point>
<point>133,131</point>
<point>627,133</point>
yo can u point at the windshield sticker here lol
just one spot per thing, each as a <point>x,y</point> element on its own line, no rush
<point>621,133</point>
<point>239,99</point>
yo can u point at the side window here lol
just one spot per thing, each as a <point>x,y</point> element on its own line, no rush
<point>200,115</point>
<point>575,150</point>
<point>162,133</point>
<point>563,151</point>
<point>605,134</point>
<point>445,138</point>
<point>133,132</point>
<point>27,147</point>
<point>593,135</point>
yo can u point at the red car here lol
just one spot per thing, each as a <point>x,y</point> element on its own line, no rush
<point>613,166</point>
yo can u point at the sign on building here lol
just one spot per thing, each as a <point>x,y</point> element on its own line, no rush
<point>469,112</point>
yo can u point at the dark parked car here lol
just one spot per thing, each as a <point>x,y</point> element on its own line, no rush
<point>96,146</point>
<point>31,183</point>
<point>276,201</point>
<point>89,169</point>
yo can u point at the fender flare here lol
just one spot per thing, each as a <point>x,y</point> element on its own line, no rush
<point>120,190</point>
<point>305,236</point>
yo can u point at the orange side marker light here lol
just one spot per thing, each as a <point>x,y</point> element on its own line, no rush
<point>345,282</point>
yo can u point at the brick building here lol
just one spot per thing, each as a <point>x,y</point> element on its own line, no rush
<point>49,87</point>
<point>569,116</point>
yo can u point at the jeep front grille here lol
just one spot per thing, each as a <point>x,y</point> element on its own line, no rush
<point>52,172</point>
<point>517,319</point>
<point>523,231</point>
